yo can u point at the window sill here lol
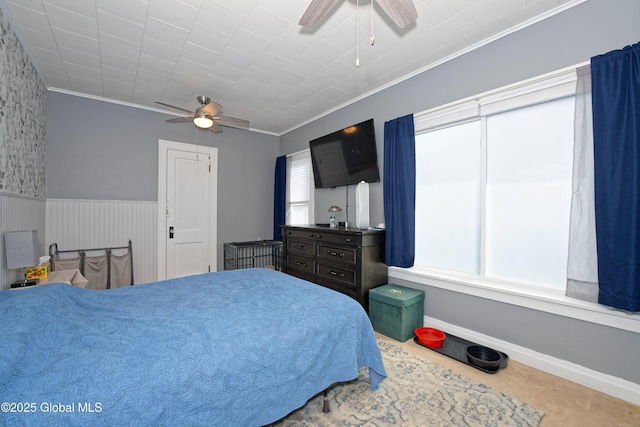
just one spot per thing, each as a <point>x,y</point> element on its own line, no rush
<point>536,298</point>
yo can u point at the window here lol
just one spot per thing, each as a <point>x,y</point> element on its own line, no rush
<point>493,184</point>
<point>448,198</point>
<point>299,186</point>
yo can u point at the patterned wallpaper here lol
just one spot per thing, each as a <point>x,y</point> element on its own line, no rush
<point>22,119</point>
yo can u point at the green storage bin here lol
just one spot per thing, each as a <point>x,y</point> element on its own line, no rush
<point>396,311</point>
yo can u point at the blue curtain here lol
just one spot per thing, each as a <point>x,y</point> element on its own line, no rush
<point>280,197</point>
<point>616,139</point>
<point>400,191</point>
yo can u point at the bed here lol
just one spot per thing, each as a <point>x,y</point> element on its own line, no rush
<point>232,348</point>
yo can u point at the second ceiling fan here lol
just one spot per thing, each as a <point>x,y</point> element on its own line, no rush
<point>401,12</point>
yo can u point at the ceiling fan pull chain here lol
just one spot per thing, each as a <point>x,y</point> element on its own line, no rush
<point>357,35</point>
<point>372,39</point>
<point>197,145</point>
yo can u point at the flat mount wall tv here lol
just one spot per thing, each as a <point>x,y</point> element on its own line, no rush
<point>346,156</point>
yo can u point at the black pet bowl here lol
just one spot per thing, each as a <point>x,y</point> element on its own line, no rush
<point>484,357</point>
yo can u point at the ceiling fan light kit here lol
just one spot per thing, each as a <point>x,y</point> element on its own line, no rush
<point>203,121</point>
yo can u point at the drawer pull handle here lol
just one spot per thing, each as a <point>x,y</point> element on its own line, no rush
<point>341,254</point>
<point>301,264</point>
<point>301,247</point>
<point>335,273</point>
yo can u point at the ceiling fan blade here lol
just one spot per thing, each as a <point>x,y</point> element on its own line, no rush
<point>316,12</point>
<point>210,109</point>
<point>232,122</point>
<point>180,120</point>
<point>215,128</point>
<point>177,108</point>
<point>401,12</point>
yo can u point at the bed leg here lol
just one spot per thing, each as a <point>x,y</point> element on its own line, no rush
<point>325,406</point>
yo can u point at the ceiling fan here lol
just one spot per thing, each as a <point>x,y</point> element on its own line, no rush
<point>401,12</point>
<point>207,117</point>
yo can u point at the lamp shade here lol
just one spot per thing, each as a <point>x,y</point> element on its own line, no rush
<point>21,248</point>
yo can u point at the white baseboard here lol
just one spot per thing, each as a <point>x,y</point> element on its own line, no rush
<point>608,384</point>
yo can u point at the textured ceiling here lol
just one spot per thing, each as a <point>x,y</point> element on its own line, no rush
<point>250,56</point>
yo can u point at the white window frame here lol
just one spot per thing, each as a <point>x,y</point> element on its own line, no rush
<point>540,89</point>
<point>297,156</point>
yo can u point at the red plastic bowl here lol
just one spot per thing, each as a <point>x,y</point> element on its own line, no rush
<point>430,337</point>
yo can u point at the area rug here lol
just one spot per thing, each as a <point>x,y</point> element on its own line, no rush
<point>416,392</point>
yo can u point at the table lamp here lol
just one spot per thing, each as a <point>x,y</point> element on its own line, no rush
<point>332,217</point>
<point>21,249</point>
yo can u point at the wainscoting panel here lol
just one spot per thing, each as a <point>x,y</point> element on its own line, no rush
<point>86,224</point>
<point>16,214</point>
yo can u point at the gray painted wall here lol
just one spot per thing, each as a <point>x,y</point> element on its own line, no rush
<point>98,150</point>
<point>571,37</point>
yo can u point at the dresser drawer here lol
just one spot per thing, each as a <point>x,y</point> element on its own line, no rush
<point>333,253</point>
<point>345,276</point>
<point>301,248</point>
<point>304,265</point>
<point>340,237</point>
<point>303,234</point>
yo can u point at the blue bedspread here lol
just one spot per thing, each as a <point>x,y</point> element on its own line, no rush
<point>233,348</point>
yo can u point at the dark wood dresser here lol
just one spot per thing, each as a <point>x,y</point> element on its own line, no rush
<point>350,261</point>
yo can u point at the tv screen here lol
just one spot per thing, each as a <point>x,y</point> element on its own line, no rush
<point>345,157</point>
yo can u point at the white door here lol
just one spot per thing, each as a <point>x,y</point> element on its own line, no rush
<point>186,209</point>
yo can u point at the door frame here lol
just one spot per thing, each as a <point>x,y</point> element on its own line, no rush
<point>163,147</point>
